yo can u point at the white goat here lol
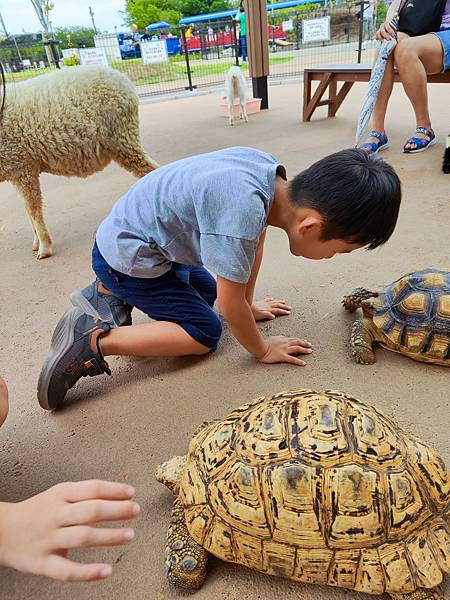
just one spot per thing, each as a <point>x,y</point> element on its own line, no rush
<point>71,122</point>
<point>235,87</point>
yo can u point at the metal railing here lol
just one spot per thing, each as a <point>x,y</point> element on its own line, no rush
<point>196,56</point>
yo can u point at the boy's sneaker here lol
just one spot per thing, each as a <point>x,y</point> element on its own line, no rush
<point>105,307</point>
<point>74,353</point>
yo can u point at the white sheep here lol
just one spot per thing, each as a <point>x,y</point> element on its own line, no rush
<point>71,122</point>
<point>236,87</point>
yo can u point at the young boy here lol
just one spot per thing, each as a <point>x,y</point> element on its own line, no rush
<point>209,213</point>
<point>36,534</point>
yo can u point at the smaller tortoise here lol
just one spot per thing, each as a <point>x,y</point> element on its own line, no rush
<point>410,316</point>
<point>316,487</point>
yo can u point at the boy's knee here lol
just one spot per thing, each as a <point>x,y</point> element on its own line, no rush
<point>206,332</point>
<point>215,329</point>
<point>201,350</point>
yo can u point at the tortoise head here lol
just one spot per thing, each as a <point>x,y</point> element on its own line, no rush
<point>358,298</point>
<point>170,472</point>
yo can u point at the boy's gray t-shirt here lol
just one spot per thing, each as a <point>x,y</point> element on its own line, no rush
<point>208,209</point>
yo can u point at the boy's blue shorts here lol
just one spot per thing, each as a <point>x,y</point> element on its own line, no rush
<point>184,295</point>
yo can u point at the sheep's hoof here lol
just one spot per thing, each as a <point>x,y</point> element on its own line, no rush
<point>45,252</point>
<point>35,246</point>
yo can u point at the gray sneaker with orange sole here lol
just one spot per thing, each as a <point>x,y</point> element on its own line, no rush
<point>75,352</point>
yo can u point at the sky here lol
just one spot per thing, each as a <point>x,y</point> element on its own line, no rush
<point>20,15</point>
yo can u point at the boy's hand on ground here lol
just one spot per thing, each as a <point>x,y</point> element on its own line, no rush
<point>269,309</point>
<point>284,349</point>
<point>36,534</point>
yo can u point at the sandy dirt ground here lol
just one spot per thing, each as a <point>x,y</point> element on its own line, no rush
<point>122,427</point>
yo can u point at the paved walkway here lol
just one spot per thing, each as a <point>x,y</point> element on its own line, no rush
<point>122,427</point>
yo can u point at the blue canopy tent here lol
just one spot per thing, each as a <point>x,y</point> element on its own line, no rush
<point>173,43</point>
<point>158,25</point>
<point>231,13</point>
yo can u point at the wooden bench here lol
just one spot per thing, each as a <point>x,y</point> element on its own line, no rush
<point>328,77</point>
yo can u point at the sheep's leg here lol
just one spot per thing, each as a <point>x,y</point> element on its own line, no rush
<point>230,113</point>
<point>243,110</point>
<point>133,159</point>
<point>30,189</point>
<point>35,246</point>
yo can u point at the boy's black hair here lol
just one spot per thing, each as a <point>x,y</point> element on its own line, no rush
<point>357,194</point>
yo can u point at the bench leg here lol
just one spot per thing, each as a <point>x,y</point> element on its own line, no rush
<point>332,97</point>
<point>310,104</point>
<point>339,98</point>
<point>306,93</point>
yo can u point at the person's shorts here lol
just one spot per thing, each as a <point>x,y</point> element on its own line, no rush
<point>184,295</point>
<point>444,38</point>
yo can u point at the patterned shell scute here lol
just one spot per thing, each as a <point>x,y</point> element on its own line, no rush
<point>414,313</point>
<point>320,488</point>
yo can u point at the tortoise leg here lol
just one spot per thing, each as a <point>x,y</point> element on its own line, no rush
<point>354,300</point>
<point>422,594</point>
<point>185,560</point>
<point>361,341</point>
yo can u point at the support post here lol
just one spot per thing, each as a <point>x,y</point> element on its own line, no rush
<point>186,58</point>
<point>235,44</point>
<point>258,47</point>
<point>361,28</point>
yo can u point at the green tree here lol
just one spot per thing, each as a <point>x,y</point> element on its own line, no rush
<point>75,36</point>
<point>144,12</point>
<point>198,7</point>
<point>43,8</point>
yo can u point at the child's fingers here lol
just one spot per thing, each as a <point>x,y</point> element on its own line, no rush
<point>265,314</point>
<point>299,342</point>
<point>299,350</point>
<point>280,311</point>
<point>64,569</point>
<point>94,511</point>
<point>95,488</point>
<point>279,304</point>
<point>295,361</point>
<point>83,536</point>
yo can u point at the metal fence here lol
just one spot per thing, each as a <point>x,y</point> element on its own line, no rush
<point>197,56</point>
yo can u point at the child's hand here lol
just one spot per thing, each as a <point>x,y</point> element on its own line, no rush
<point>269,309</point>
<point>284,349</point>
<point>36,534</point>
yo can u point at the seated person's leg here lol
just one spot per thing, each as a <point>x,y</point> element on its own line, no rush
<point>377,138</point>
<point>416,58</point>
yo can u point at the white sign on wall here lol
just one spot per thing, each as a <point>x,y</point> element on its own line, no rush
<point>316,30</point>
<point>154,51</point>
<point>288,25</point>
<point>93,56</point>
<point>110,43</point>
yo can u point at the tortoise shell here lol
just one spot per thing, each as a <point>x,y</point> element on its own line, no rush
<point>414,313</point>
<point>320,488</point>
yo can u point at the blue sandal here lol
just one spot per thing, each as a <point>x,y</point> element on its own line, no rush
<point>421,143</point>
<point>374,147</point>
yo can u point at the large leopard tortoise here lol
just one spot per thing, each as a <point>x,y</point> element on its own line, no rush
<point>410,316</point>
<point>316,487</point>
